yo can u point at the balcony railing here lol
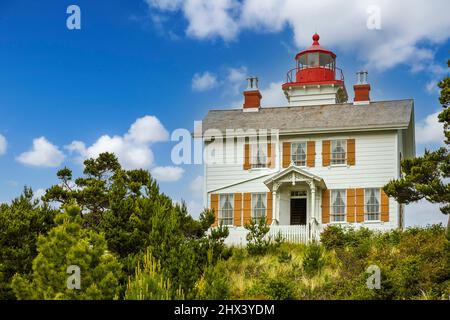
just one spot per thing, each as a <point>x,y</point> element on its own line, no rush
<point>320,73</point>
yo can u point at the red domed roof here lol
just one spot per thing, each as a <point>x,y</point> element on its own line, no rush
<point>315,48</point>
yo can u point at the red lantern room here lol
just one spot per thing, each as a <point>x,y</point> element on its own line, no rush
<point>314,66</point>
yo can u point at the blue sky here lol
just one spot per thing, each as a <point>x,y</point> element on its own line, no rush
<point>175,60</point>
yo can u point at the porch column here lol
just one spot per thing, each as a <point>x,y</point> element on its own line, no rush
<point>274,206</point>
<point>312,186</point>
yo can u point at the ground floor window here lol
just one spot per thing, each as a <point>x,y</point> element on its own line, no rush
<point>337,205</point>
<point>372,204</point>
<point>226,209</point>
<point>258,206</point>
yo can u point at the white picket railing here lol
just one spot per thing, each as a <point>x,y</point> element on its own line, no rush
<point>294,234</point>
<point>297,233</point>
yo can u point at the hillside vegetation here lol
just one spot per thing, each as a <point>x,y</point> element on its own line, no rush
<point>114,235</point>
<point>414,264</point>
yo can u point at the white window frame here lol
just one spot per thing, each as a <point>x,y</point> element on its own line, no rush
<point>255,147</point>
<point>370,208</point>
<point>225,216</point>
<point>255,216</point>
<point>339,217</point>
<point>334,160</point>
<point>295,157</point>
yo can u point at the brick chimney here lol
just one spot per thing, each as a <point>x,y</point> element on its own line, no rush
<point>252,96</point>
<point>362,89</point>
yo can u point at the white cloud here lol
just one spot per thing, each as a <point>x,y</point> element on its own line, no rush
<point>203,82</point>
<point>407,33</point>
<point>430,130</point>
<point>147,129</point>
<point>3,145</point>
<point>167,174</point>
<point>38,194</point>
<point>196,186</point>
<point>132,149</point>
<point>422,213</point>
<point>43,154</point>
<point>194,208</point>
<point>272,96</point>
<point>236,78</point>
<point>169,5</point>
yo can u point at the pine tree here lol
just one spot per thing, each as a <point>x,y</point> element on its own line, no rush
<point>69,244</point>
<point>426,177</point>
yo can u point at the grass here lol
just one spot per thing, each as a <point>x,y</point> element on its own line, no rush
<point>415,264</point>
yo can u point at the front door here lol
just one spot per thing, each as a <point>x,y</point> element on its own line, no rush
<point>298,211</point>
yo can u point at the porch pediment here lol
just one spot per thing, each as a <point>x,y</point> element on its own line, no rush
<point>294,175</point>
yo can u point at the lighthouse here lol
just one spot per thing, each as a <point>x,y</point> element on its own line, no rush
<point>315,80</point>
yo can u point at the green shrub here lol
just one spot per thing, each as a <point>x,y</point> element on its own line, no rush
<point>284,256</point>
<point>333,237</point>
<point>214,284</point>
<point>258,243</point>
<point>278,288</point>
<point>313,260</point>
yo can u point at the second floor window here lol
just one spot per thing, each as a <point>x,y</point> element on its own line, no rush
<point>338,151</point>
<point>259,155</point>
<point>372,204</point>
<point>298,153</point>
<point>258,206</point>
<point>226,209</point>
<point>337,205</point>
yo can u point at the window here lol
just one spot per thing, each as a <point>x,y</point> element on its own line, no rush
<point>372,204</point>
<point>226,209</point>
<point>298,194</point>
<point>298,153</point>
<point>258,206</point>
<point>337,205</point>
<point>259,157</point>
<point>338,151</point>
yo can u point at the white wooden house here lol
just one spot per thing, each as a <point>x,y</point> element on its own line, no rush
<point>318,160</point>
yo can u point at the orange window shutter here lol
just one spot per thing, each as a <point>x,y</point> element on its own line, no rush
<point>215,208</point>
<point>286,154</point>
<point>351,205</point>
<point>384,206</point>
<point>325,206</point>
<point>351,154</point>
<point>247,208</point>
<point>310,153</point>
<point>247,165</point>
<point>237,209</point>
<point>326,153</point>
<point>360,208</point>
<point>271,155</point>
<point>269,208</point>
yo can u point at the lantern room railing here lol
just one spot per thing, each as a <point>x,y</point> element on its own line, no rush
<point>317,74</point>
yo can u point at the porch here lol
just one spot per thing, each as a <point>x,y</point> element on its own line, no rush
<point>296,196</point>
<point>289,233</point>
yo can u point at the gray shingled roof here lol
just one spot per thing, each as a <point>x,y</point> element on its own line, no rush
<point>376,115</point>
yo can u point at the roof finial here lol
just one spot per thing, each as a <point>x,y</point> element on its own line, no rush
<point>316,38</point>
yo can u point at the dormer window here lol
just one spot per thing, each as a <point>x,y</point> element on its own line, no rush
<point>338,151</point>
<point>259,155</point>
<point>298,153</point>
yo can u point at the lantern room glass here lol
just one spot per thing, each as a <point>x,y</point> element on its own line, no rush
<point>316,60</point>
